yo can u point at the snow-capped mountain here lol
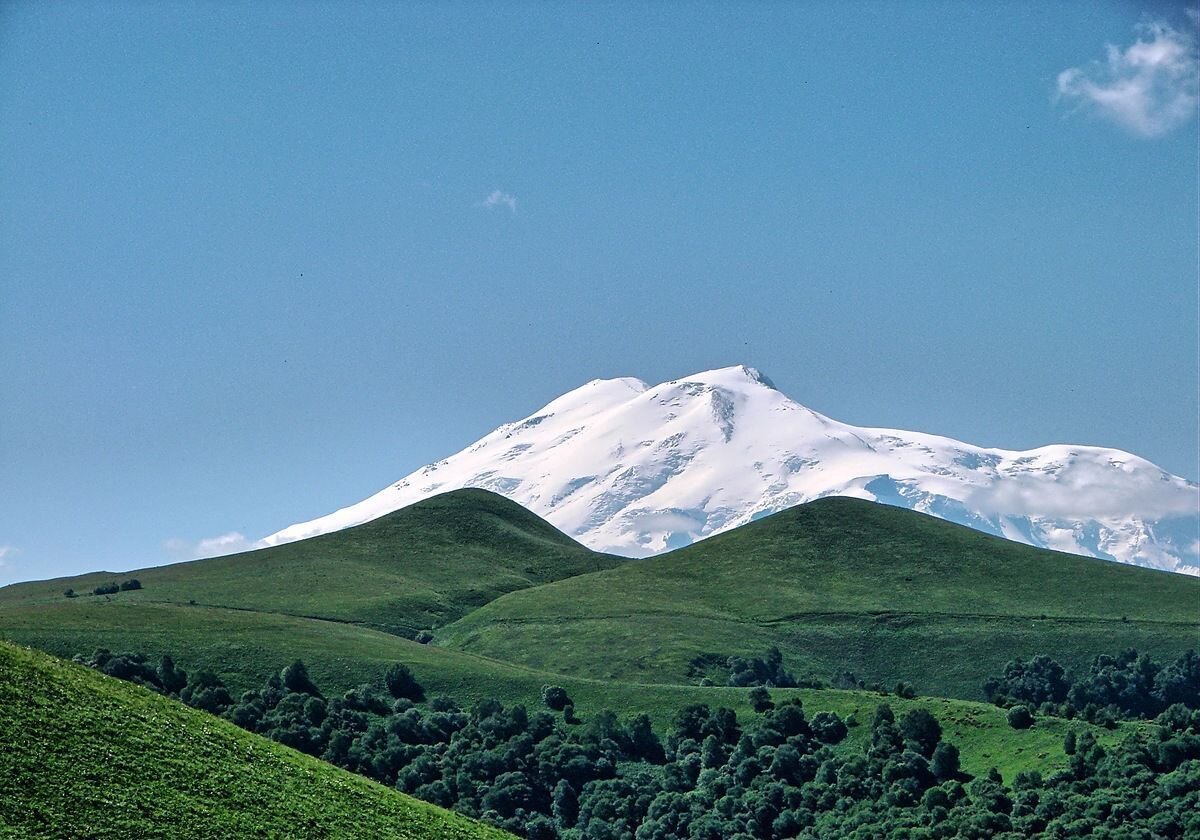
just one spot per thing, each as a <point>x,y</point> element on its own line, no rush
<point>635,469</point>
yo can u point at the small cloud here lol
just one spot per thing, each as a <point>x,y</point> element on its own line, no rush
<point>231,543</point>
<point>498,198</point>
<point>7,553</point>
<point>1150,87</point>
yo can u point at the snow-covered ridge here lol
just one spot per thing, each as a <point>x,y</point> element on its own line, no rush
<point>635,469</point>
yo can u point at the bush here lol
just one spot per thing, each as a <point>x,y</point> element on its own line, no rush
<point>401,683</point>
<point>944,765</point>
<point>555,697</point>
<point>295,678</point>
<point>828,728</point>
<point>921,729</point>
<point>424,637</point>
<point>106,589</point>
<point>1019,717</point>
<point>131,584</point>
<point>760,700</point>
<point>69,593</point>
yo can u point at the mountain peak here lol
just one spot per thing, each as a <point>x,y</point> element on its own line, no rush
<point>636,470</point>
<point>734,375</point>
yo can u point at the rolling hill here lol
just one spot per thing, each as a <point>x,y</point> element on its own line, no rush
<point>836,584</point>
<point>247,647</point>
<point>84,755</point>
<point>840,584</point>
<point>417,568</point>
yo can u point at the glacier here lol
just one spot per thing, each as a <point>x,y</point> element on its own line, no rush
<point>634,469</point>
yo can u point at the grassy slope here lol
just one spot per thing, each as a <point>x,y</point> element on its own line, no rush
<point>422,566</point>
<point>83,755</point>
<point>245,647</point>
<point>841,584</point>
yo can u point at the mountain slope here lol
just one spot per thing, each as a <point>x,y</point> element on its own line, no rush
<point>418,567</point>
<point>637,470</point>
<point>841,584</point>
<point>84,755</point>
<point>247,647</point>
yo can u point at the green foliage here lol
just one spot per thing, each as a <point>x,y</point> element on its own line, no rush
<point>1019,717</point>
<point>82,755</point>
<point>555,697</point>
<point>760,699</point>
<point>402,684</point>
<point>533,775</point>
<point>1130,685</point>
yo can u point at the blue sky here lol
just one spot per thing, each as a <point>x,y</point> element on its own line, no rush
<point>259,259</point>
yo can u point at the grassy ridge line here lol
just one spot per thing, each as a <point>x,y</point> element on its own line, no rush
<point>245,647</point>
<point>84,755</point>
<point>841,584</point>
<point>418,567</point>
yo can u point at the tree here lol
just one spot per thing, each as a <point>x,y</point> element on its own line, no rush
<point>922,729</point>
<point>295,678</point>
<point>171,678</point>
<point>828,728</point>
<point>1019,717</point>
<point>760,699</point>
<point>401,683</point>
<point>131,584</point>
<point>555,697</point>
<point>944,764</point>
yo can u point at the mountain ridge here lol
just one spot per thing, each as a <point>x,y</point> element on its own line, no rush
<point>637,469</point>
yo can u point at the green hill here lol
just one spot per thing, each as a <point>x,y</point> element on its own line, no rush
<point>84,755</point>
<point>840,584</point>
<point>246,647</point>
<point>419,567</point>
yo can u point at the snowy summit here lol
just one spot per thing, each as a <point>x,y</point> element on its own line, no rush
<point>635,469</point>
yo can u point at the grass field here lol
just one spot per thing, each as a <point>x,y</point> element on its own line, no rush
<point>420,567</point>
<point>245,647</point>
<point>84,755</point>
<point>840,584</point>
<point>837,584</point>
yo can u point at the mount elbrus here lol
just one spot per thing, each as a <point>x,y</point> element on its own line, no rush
<point>634,469</point>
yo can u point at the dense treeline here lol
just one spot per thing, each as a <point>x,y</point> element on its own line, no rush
<point>1127,686</point>
<point>719,669</point>
<point>778,775</point>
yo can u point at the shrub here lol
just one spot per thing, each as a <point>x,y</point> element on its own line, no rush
<point>555,697</point>
<point>828,728</point>
<point>69,593</point>
<point>295,678</point>
<point>131,584</point>
<point>1019,717</point>
<point>921,729</point>
<point>106,589</point>
<point>760,699</point>
<point>401,683</point>
<point>944,764</point>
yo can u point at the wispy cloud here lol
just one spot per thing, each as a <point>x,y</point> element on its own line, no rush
<point>1149,88</point>
<point>231,543</point>
<point>7,553</point>
<point>498,198</point>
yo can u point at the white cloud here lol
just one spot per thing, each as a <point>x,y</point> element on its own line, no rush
<point>7,552</point>
<point>218,546</point>
<point>1149,87</point>
<point>498,198</point>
